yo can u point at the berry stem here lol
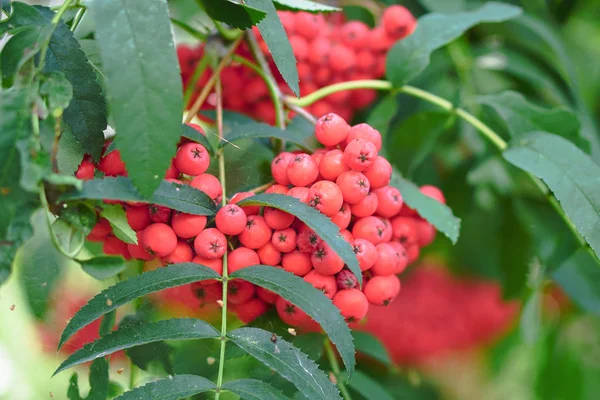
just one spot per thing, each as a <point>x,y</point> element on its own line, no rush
<point>221,157</point>
<point>262,187</point>
<point>77,19</point>
<point>335,367</point>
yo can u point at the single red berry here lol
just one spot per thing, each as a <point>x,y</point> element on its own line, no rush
<point>208,184</point>
<point>296,262</point>
<point>277,219</point>
<point>366,253</point>
<point>284,240</point>
<point>187,226</point>
<point>352,303</point>
<point>380,42</point>
<point>210,243</point>
<point>279,168</point>
<point>401,250</point>
<point>325,283</point>
<point>250,310</point>
<point>249,210</point>
<point>354,186</point>
<point>290,314</point>
<point>365,60</point>
<point>425,233</point>
<point>332,165</point>
<point>326,197</point>
<point>325,260</point>
<point>137,251</point>
<point>322,75</point>
<point>100,231</point>
<point>307,240</point>
<point>114,246</point>
<point>182,253</point>
<point>366,206</point>
<point>405,230</point>
<point>300,193</point>
<point>331,129</point>
<point>159,239</point>
<point>231,219</point>
<point>388,233</point>
<point>277,189</point>
<point>369,228</point>
<point>360,154</point>
<point>239,292</point>
<point>398,22</point>
<point>388,260</point>
<point>300,47</point>
<point>365,132</point>
<point>379,173</point>
<point>343,216</point>
<point>137,217</point>
<point>266,295</point>
<point>433,192</point>
<point>256,233</point>
<point>412,252</point>
<point>308,25</point>
<point>86,169</point>
<point>382,290</point>
<point>208,294</point>
<point>192,159</point>
<point>345,279</point>
<point>342,58</point>
<point>347,235</point>
<point>302,170</point>
<point>111,164</point>
<point>355,34</point>
<point>172,172</point>
<point>241,257</point>
<point>216,264</point>
<point>389,201</point>
<point>159,213</point>
<point>319,52</point>
<point>269,255</point>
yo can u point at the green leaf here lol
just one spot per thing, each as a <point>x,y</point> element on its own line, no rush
<point>13,52</point>
<point>115,214</point>
<point>255,130</point>
<point>57,91</point>
<point>382,114</point>
<point>569,173</point>
<point>172,388</point>
<point>304,5</point>
<point>70,153</point>
<point>253,389</point>
<point>103,267</point>
<point>368,387</point>
<point>530,323</point>
<point>235,14</point>
<point>73,391</point>
<point>133,288</point>
<point>410,56</point>
<point>193,134</point>
<point>276,38</point>
<point>286,360</point>
<point>311,300</point>
<point>579,276</point>
<point>446,6</point>
<point>368,344</point>
<point>323,227</point>
<point>522,117</point>
<point>430,209</point>
<point>139,334</point>
<point>98,379</point>
<point>143,83</point>
<point>79,215</point>
<point>177,196</point>
<point>69,238</point>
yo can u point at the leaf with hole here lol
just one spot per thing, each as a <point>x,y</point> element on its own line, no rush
<point>173,388</point>
<point>103,267</point>
<point>287,361</point>
<point>569,173</point>
<point>115,214</point>
<point>133,288</point>
<point>411,55</point>
<point>271,30</point>
<point>238,15</point>
<point>311,300</point>
<point>144,85</point>
<point>304,5</point>
<point>579,277</point>
<point>323,227</point>
<point>253,389</point>
<point>368,344</point>
<point>177,196</point>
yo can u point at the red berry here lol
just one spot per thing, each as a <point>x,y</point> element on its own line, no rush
<point>277,219</point>
<point>266,295</point>
<point>366,206</point>
<point>284,240</point>
<point>137,217</point>
<point>324,283</point>
<point>290,314</point>
<point>389,261</point>
<point>269,255</point>
<point>192,159</point>
<point>388,233</point>
<point>355,34</point>
<point>389,201</point>
<point>365,60</point>
<point>352,303</point>
<point>216,264</point>
<point>172,172</point>
<point>256,233</point>
<point>369,228</point>
<point>412,252</point>
<point>332,165</point>
<point>302,170</point>
<point>241,257</point>
<point>300,47</point>
<point>345,279</point>
<point>277,189</point>
<point>343,216</point>
<point>380,42</point>
<point>279,168</point>
<point>308,25</point>
<point>382,290</point>
<point>366,253</point>
<point>297,263</point>
<point>85,171</point>
<point>114,246</point>
<point>379,173</point>
<point>347,235</point>
<point>100,231</point>
<point>401,250</point>
<point>326,197</point>
<point>137,251</point>
<point>182,253</point>
<point>111,164</point>
<point>354,186</point>
<point>231,219</point>
<point>300,193</point>
<point>187,226</point>
<point>307,240</point>
<point>197,127</point>
<point>405,230</point>
<point>159,239</point>
<point>239,292</point>
<point>209,184</point>
<point>398,22</point>
<point>365,132</point>
<point>359,154</point>
<point>159,213</point>
<point>210,243</point>
<point>325,260</point>
<point>425,233</point>
<point>341,58</point>
<point>319,52</point>
<point>433,192</point>
<point>331,129</point>
<point>249,210</point>
<point>250,310</point>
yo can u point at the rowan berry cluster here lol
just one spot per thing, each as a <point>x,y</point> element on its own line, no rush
<point>328,50</point>
<point>346,181</point>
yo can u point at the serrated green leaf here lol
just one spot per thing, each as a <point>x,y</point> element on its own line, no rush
<point>73,391</point>
<point>311,300</point>
<point>271,30</point>
<point>193,134</point>
<point>70,153</point>
<point>115,214</point>
<point>368,344</point>
<point>13,52</point>
<point>569,173</point>
<point>436,213</point>
<point>142,356</point>
<point>287,361</point>
<point>410,56</point>
<point>172,388</point>
<point>69,238</point>
<point>241,16</point>
<point>57,91</point>
<point>177,196</point>
<point>253,389</point>
<point>522,117</point>
<point>133,288</point>
<point>304,5</point>
<point>143,83</point>
<point>103,267</point>
<point>579,277</point>
<point>310,343</point>
<point>323,227</point>
<point>255,130</point>
<point>79,215</point>
<point>35,165</point>
<point>139,334</point>
<point>368,387</point>
<point>98,379</point>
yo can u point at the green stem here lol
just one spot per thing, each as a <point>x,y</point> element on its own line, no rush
<point>132,374</point>
<point>77,19</point>
<point>337,87</point>
<point>55,20</point>
<point>221,158</point>
<point>335,368</point>
<point>200,68</point>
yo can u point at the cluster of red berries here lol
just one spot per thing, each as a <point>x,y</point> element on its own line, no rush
<point>328,50</point>
<point>438,313</point>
